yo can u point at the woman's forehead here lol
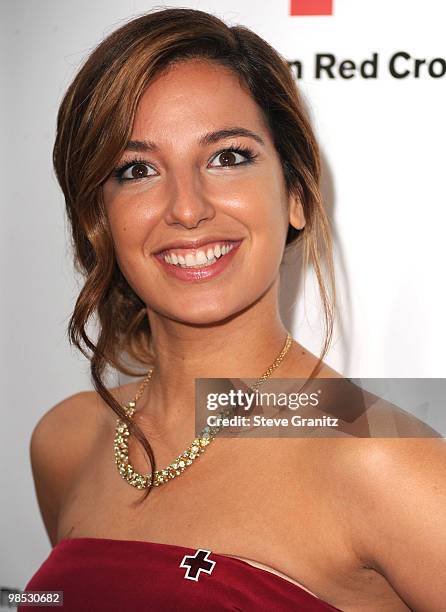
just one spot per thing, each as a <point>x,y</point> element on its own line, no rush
<point>195,96</point>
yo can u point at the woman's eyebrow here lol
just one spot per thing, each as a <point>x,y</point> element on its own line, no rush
<point>142,146</point>
<point>212,137</point>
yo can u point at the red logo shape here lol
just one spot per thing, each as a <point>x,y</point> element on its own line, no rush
<point>311,7</point>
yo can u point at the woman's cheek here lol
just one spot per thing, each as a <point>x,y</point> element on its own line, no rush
<point>131,222</point>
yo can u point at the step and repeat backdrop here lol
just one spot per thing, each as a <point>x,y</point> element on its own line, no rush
<point>373,77</point>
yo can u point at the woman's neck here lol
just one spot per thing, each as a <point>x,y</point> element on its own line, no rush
<point>183,353</point>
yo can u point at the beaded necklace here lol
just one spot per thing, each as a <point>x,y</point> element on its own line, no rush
<point>186,458</point>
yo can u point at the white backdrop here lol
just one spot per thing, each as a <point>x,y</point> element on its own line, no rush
<point>383,150</point>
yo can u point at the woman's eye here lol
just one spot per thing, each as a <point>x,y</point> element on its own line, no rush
<point>134,172</point>
<point>232,158</point>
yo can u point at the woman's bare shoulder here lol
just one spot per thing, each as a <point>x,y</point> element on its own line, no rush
<point>64,425</point>
<point>56,442</point>
<point>63,432</point>
<point>79,416</point>
<point>360,412</point>
<point>394,500</point>
<point>61,438</point>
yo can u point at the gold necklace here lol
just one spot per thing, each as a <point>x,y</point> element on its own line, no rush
<point>194,450</point>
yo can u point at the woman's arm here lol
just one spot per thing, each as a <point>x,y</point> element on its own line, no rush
<point>398,492</point>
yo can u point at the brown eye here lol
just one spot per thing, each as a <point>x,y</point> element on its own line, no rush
<point>233,157</point>
<point>134,171</point>
<point>139,171</point>
<point>227,158</point>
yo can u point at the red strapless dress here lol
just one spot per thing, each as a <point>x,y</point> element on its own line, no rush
<point>99,574</point>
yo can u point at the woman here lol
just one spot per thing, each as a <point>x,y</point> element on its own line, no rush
<point>188,165</point>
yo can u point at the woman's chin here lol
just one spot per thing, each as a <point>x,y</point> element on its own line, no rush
<point>207,314</point>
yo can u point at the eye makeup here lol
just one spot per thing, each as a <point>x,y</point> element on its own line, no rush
<point>120,171</point>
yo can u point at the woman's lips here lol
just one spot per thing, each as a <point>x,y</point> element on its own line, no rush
<point>198,274</point>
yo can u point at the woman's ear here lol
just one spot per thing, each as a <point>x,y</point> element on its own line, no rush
<point>296,212</point>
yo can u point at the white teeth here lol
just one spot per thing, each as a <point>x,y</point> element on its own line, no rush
<point>201,259</point>
<point>190,260</point>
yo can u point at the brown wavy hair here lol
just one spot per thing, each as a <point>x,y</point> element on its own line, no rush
<point>94,124</point>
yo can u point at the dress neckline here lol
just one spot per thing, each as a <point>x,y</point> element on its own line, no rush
<point>246,562</point>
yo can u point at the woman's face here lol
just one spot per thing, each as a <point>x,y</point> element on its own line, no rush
<point>181,180</point>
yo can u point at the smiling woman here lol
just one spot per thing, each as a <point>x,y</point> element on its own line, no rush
<point>192,186</point>
<point>189,167</point>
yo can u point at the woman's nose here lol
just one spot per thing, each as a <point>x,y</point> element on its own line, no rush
<point>188,202</point>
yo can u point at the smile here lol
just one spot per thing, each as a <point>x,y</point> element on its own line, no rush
<point>198,264</point>
<point>190,258</point>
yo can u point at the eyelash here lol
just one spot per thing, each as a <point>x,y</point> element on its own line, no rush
<point>246,151</point>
